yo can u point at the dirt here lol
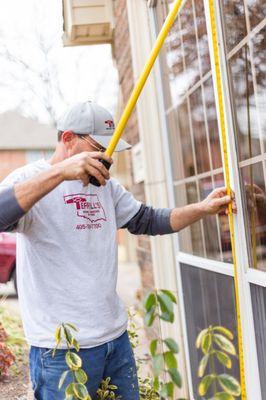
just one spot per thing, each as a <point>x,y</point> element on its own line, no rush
<point>15,385</point>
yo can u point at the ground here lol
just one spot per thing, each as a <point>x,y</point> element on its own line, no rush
<point>16,387</point>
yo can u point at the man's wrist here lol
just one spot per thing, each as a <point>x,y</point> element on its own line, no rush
<point>203,211</point>
<point>59,172</point>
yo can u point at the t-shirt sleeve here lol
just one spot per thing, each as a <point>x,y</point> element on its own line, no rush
<point>16,177</point>
<point>126,206</point>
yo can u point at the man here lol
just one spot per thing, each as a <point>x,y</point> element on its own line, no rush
<point>67,251</point>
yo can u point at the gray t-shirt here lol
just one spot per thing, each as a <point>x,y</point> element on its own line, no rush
<point>67,260</point>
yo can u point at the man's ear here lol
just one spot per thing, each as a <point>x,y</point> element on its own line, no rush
<point>67,137</point>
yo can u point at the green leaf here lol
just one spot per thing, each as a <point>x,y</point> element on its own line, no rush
<point>203,365</point>
<point>170,359</point>
<point>150,301</point>
<point>172,345</point>
<point>205,383</point>
<point>72,326</point>
<point>153,347</point>
<point>167,317</point>
<point>75,344</point>
<point>224,344</point>
<point>224,331</point>
<point>229,384</point>
<point>165,303</point>
<point>200,337</point>
<point>175,376</point>
<point>223,396</point>
<point>80,391</point>
<point>73,361</point>
<point>169,294</point>
<point>156,383</point>
<point>62,379</point>
<point>81,376</point>
<point>224,359</point>
<point>70,389</point>
<point>68,335</point>
<point>150,316</point>
<point>206,343</point>
<point>58,335</point>
<point>157,363</point>
<point>167,390</point>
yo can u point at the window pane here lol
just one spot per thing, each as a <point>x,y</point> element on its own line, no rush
<point>254,188</point>
<point>202,37</point>
<point>257,11</point>
<point>224,226</point>
<point>189,45</point>
<point>259,65</point>
<point>245,105</point>
<point>212,124</point>
<point>180,143</point>
<point>234,21</point>
<point>190,238</point>
<point>199,132</point>
<point>174,57</point>
<point>210,226</point>
<point>209,300</point>
<point>258,295</point>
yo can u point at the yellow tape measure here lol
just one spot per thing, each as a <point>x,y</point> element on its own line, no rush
<point>221,116</point>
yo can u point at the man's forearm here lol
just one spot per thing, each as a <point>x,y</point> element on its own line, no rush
<point>32,190</point>
<point>182,217</point>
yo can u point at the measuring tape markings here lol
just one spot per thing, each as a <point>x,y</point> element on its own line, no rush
<point>221,114</point>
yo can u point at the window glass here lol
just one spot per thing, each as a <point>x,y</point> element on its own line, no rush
<point>247,127</point>
<point>256,11</point>
<point>210,224</point>
<point>234,21</point>
<point>191,239</point>
<point>203,44</point>
<point>223,224</point>
<point>247,68</point>
<point>255,196</point>
<point>258,295</point>
<point>209,300</point>
<point>212,124</point>
<point>190,54</point>
<point>199,131</point>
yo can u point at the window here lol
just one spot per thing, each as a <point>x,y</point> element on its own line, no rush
<point>212,292</point>
<point>244,30</point>
<point>258,295</point>
<point>193,130</point>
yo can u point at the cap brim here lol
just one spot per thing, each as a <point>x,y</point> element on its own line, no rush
<point>105,140</point>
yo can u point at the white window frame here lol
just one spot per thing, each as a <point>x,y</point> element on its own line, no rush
<point>247,275</point>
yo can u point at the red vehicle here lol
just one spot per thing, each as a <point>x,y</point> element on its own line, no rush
<point>8,258</point>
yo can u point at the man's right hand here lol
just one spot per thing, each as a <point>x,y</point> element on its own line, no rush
<point>85,165</point>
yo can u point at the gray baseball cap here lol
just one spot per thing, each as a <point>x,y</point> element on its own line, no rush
<point>90,118</point>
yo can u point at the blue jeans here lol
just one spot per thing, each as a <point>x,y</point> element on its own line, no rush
<point>114,359</point>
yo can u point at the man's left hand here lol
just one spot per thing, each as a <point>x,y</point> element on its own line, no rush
<point>218,201</point>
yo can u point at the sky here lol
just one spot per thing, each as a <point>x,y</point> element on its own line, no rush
<point>38,76</point>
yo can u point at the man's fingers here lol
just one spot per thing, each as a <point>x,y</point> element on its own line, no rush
<point>102,156</point>
<point>222,201</point>
<point>95,172</point>
<point>100,167</point>
<point>85,179</point>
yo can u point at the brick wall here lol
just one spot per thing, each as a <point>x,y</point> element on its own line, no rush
<point>122,53</point>
<point>11,160</point>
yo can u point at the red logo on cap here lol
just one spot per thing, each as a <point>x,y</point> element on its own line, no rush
<point>110,124</point>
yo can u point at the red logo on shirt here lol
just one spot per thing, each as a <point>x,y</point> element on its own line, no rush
<point>87,206</point>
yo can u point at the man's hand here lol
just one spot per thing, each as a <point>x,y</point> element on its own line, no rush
<point>214,203</point>
<point>84,165</point>
<point>218,201</point>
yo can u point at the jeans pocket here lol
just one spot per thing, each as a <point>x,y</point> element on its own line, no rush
<point>45,352</point>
